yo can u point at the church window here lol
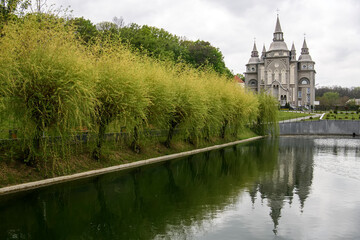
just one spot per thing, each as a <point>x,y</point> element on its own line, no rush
<point>308,90</point>
<point>253,83</point>
<point>304,81</point>
<point>299,94</point>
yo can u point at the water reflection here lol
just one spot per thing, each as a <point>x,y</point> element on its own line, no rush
<point>293,175</point>
<point>185,198</point>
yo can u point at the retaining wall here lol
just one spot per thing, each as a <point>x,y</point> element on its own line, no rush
<point>322,127</point>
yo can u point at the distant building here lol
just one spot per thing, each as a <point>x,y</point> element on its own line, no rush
<point>356,101</point>
<point>239,81</point>
<point>278,72</point>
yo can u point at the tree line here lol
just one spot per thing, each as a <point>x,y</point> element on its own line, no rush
<point>53,84</point>
<point>337,96</point>
<point>155,42</point>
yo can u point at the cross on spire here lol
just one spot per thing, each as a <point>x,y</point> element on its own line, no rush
<point>277,11</point>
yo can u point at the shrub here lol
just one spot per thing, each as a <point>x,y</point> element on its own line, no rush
<point>46,79</point>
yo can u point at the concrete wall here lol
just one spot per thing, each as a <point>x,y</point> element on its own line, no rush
<point>322,127</point>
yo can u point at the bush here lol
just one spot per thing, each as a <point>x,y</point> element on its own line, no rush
<point>46,82</point>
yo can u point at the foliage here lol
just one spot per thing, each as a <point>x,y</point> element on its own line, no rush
<point>268,115</point>
<point>120,92</point>
<point>45,81</point>
<point>329,99</point>
<point>353,92</point>
<point>84,29</point>
<point>57,77</point>
<point>201,53</point>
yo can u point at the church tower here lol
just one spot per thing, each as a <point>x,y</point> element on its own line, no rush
<point>306,83</point>
<point>280,74</point>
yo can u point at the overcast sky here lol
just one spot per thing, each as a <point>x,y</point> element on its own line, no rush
<point>332,27</point>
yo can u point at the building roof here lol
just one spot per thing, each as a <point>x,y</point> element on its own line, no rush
<point>278,43</point>
<point>305,56</point>
<point>238,79</point>
<point>275,46</point>
<point>278,27</point>
<point>254,55</point>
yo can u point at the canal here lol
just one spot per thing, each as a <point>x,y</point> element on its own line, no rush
<point>284,188</point>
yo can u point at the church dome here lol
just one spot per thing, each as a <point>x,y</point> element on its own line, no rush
<point>305,58</point>
<point>253,60</point>
<point>278,45</point>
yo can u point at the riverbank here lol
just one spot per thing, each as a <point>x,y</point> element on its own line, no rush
<point>15,172</point>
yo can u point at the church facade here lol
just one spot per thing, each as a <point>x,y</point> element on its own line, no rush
<point>279,73</point>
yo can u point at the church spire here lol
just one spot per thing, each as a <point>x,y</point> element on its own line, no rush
<point>305,56</point>
<point>254,52</point>
<point>293,47</point>
<point>293,52</point>
<point>278,26</point>
<point>278,34</point>
<point>263,54</point>
<point>304,49</point>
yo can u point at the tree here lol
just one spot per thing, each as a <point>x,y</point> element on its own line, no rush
<point>8,8</point>
<point>201,53</point>
<point>84,29</point>
<point>329,99</point>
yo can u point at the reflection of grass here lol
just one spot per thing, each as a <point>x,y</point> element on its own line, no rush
<point>342,116</point>
<point>15,172</point>
<point>291,115</point>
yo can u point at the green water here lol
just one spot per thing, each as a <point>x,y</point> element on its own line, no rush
<point>288,188</point>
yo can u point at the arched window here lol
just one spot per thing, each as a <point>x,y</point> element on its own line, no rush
<point>253,83</point>
<point>304,81</point>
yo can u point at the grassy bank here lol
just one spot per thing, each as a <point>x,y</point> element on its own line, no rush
<point>16,172</point>
<point>342,115</point>
<point>291,115</point>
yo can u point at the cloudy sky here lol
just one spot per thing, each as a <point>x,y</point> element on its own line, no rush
<point>332,27</point>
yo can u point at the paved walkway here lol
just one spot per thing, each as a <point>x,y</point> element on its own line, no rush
<point>301,118</point>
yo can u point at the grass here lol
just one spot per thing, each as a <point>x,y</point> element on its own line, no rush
<point>342,115</point>
<point>291,115</point>
<point>16,172</point>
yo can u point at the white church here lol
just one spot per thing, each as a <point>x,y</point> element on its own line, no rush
<point>280,73</point>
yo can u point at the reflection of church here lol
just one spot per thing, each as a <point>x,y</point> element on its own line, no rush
<point>293,175</point>
<point>279,73</point>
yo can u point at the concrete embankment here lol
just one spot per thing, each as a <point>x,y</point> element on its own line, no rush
<point>51,181</point>
<point>322,127</point>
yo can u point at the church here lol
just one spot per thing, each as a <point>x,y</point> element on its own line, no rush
<point>279,73</point>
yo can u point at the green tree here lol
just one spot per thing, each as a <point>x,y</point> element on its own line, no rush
<point>153,41</point>
<point>329,99</point>
<point>201,53</point>
<point>84,29</point>
<point>8,9</point>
